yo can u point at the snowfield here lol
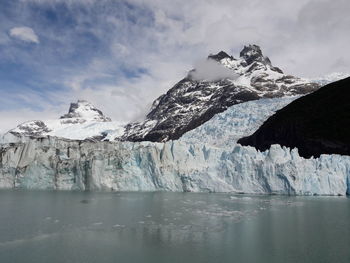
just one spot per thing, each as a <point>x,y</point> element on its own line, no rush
<point>206,159</point>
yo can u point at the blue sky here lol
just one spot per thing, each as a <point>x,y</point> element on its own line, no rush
<point>121,55</point>
<point>71,36</point>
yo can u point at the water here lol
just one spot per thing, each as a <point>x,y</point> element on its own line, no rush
<point>171,227</point>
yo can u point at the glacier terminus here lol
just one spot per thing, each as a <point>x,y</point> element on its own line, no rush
<point>206,159</point>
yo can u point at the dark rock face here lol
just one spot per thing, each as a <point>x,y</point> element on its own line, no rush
<point>191,102</point>
<point>318,123</point>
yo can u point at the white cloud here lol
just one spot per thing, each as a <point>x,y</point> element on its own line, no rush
<point>210,70</point>
<point>25,34</point>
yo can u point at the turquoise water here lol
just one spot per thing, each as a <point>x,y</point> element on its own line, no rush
<point>171,227</point>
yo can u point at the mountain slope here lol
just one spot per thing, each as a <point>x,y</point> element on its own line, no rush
<point>316,124</point>
<point>219,82</point>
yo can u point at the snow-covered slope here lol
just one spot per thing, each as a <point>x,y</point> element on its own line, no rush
<point>216,84</point>
<point>83,121</point>
<point>197,162</point>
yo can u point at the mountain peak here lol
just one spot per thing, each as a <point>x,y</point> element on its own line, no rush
<point>219,56</point>
<point>253,53</point>
<point>82,111</point>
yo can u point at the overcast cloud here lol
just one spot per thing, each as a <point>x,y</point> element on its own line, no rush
<point>121,55</point>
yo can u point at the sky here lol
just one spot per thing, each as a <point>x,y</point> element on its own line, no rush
<point>121,55</point>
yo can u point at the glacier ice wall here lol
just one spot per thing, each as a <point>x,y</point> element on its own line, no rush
<point>207,159</point>
<point>53,163</point>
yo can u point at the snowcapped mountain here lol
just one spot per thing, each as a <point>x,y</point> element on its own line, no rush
<point>216,84</point>
<point>83,121</point>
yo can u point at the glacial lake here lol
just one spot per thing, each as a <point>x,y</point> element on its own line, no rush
<point>43,226</point>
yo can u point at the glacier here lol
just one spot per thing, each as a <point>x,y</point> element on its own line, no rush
<point>206,159</point>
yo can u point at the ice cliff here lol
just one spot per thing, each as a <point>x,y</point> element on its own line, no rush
<point>206,159</point>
